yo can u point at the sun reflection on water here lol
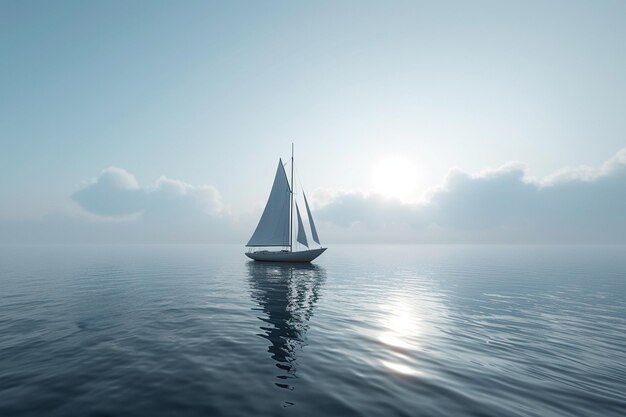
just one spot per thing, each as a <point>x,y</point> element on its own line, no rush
<point>401,325</point>
<point>402,329</point>
<point>401,368</point>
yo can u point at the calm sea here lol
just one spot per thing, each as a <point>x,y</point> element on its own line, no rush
<point>364,331</point>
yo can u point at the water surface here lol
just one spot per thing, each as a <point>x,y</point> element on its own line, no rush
<point>365,331</point>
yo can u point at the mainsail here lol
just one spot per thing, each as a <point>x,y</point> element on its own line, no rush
<point>308,212</point>
<point>273,228</point>
<point>301,233</point>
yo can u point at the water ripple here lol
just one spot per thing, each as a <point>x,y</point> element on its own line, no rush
<point>367,331</point>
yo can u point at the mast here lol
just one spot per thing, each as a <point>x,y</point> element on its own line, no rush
<point>291,205</point>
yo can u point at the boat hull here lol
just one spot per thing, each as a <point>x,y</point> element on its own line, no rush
<point>280,256</point>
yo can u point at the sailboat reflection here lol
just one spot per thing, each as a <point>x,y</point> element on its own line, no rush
<point>286,294</point>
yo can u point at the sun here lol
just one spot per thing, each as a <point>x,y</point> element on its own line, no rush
<point>395,177</point>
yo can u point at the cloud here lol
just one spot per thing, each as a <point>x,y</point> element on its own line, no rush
<point>575,205</point>
<point>116,192</point>
<point>504,205</point>
<point>115,208</point>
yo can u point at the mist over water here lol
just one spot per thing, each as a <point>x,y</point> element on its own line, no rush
<point>365,331</point>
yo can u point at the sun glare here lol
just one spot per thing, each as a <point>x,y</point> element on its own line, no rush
<point>395,177</point>
<point>402,330</point>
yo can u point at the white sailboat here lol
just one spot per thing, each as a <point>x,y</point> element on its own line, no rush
<point>276,227</point>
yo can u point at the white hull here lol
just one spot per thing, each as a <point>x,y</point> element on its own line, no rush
<point>283,256</point>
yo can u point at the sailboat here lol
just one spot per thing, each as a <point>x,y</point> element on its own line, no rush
<point>276,226</point>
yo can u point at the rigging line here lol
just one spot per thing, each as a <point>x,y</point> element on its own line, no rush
<point>293,188</point>
<point>302,187</point>
<point>299,181</point>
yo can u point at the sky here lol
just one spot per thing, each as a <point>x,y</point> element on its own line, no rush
<point>162,122</point>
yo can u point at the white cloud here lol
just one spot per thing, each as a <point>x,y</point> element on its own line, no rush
<point>504,205</point>
<point>586,173</point>
<point>116,177</point>
<point>115,208</point>
<point>116,193</point>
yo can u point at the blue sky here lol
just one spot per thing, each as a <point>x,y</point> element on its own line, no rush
<point>210,95</point>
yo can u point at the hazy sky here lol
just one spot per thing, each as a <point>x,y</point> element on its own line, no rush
<point>383,97</point>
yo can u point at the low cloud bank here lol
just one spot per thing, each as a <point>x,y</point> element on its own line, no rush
<point>578,205</point>
<point>115,192</point>
<point>505,205</point>
<point>115,208</point>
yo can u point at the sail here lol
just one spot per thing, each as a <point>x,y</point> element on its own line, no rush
<point>273,228</point>
<point>308,212</point>
<point>301,233</point>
